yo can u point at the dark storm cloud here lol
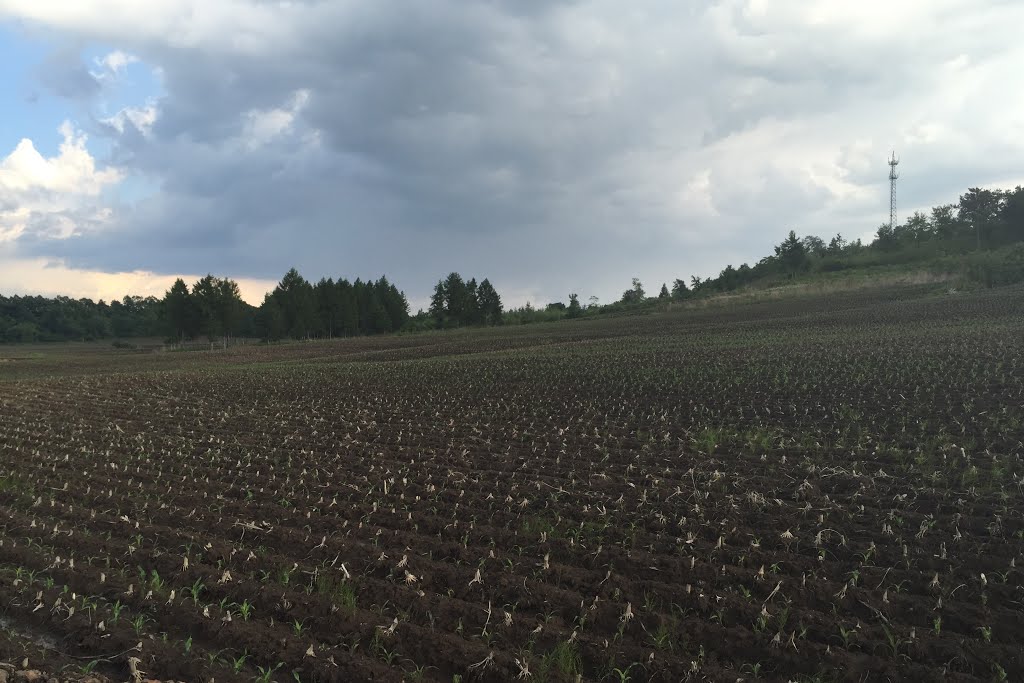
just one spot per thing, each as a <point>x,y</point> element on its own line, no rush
<point>438,128</point>
<point>550,146</point>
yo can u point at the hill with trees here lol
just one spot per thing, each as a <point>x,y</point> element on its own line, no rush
<point>977,233</point>
<point>980,239</point>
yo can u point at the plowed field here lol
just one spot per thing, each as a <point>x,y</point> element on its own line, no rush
<point>813,489</point>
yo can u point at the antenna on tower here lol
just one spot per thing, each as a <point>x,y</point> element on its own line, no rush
<point>893,175</point>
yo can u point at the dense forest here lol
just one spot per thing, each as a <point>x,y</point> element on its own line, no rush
<point>36,318</point>
<point>297,309</point>
<point>983,222</point>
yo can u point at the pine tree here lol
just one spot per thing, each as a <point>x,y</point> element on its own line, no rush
<point>791,253</point>
<point>229,306</point>
<point>394,303</point>
<point>177,310</point>
<point>270,323</point>
<point>489,303</point>
<point>438,306</point>
<point>364,305</point>
<point>298,305</point>
<point>349,307</point>
<point>456,298</point>
<point>473,314</point>
<point>679,289</point>
<point>206,293</point>
<point>328,303</point>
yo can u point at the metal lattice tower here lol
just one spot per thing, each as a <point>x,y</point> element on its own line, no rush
<point>893,175</point>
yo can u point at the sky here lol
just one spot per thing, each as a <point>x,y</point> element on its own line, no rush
<point>552,147</point>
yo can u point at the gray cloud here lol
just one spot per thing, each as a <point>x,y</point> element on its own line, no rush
<point>549,146</point>
<point>64,74</point>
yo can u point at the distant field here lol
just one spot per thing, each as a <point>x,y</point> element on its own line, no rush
<point>815,488</point>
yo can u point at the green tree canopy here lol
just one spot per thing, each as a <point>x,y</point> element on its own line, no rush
<point>792,254</point>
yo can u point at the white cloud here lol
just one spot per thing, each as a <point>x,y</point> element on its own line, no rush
<point>262,126</point>
<point>72,171</point>
<point>117,61</point>
<point>141,118</point>
<point>182,23</point>
<point>50,192</point>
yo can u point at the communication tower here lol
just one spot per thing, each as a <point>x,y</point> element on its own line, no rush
<point>893,175</point>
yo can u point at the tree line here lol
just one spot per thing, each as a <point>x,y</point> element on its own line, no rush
<point>457,302</point>
<point>981,220</point>
<point>26,319</point>
<point>213,308</point>
<point>298,309</point>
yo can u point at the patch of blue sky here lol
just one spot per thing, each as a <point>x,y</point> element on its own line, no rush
<point>31,110</point>
<point>28,110</point>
